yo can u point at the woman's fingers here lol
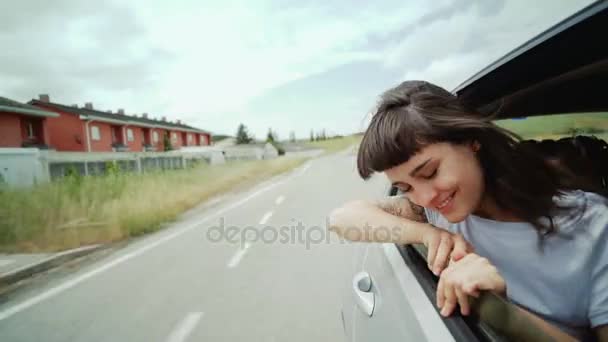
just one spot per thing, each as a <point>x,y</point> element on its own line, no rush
<point>446,298</point>
<point>432,252</point>
<point>450,300</point>
<point>444,250</point>
<point>471,289</point>
<point>463,301</point>
<point>444,247</point>
<point>449,295</point>
<point>466,278</point>
<point>461,248</point>
<point>440,292</point>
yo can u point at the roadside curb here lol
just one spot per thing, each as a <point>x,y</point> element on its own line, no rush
<point>52,261</point>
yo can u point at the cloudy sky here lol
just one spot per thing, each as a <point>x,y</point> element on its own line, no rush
<point>290,65</point>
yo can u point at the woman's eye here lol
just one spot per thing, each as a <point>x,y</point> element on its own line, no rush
<point>432,174</point>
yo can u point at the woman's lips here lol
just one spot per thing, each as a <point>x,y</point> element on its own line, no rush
<point>447,204</point>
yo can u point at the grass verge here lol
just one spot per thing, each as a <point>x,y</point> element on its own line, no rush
<point>556,126</point>
<point>336,144</point>
<point>84,210</point>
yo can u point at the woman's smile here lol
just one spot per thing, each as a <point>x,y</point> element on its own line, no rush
<point>447,204</point>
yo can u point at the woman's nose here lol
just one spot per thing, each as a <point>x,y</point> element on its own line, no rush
<point>425,195</point>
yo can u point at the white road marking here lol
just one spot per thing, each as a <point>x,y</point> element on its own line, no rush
<point>10,311</point>
<point>4,262</point>
<point>266,217</point>
<point>184,329</point>
<point>279,200</point>
<point>236,258</point>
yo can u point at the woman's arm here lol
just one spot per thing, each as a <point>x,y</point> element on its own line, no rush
<point>394,220</point>
<point>389,220</point>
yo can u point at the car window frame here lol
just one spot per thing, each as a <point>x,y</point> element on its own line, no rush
<point>502,91</point>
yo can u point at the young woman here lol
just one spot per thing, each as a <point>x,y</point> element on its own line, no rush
<point>500,218</point>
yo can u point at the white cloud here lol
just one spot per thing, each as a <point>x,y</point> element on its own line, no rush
<point>449,71</point>
<point>228,55</point>
<point>205,62</point>
<point>245,50</point>
<point>450,50</point>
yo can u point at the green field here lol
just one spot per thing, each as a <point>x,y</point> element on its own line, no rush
<point>336,144</point>
<point>555,126</point>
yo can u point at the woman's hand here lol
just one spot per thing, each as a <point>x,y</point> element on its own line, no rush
<point>442,247</point>
<point>465,278</point>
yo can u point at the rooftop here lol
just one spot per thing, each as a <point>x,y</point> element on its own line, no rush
<point>114,116</point>
<point>8,105</point>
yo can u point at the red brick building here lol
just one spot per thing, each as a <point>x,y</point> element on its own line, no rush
<point>87,129</point>
<point>23,125</point>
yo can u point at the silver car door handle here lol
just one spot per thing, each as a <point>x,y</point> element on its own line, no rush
<point>362,286</point>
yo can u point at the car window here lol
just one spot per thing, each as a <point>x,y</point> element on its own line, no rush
<point>559,126</point>
<point>575,143</point>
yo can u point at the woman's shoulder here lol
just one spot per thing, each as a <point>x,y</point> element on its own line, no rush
<point>590,203</point>
<point>581,209</point>
<point>436,219</point>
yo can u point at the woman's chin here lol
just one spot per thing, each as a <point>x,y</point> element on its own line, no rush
<point>454,217</point>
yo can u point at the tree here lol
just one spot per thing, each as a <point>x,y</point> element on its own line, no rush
<point>242,135</point>
<point>312,136</point>
<point>271,136</point>
<point>292,136</point>
<point>320,135</point>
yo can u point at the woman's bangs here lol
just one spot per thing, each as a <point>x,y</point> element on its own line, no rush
<point>387,143</point>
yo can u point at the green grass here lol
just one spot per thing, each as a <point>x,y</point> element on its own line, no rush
<point>85,210</point>
<point>554,126</point>
<point>336,144</point>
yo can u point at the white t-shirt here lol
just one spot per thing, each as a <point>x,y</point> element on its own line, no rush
<point>566,282</point>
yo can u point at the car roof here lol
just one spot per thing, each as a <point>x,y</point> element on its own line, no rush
<point>562,70</point>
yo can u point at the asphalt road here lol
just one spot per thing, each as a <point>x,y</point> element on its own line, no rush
<point>191,282</point>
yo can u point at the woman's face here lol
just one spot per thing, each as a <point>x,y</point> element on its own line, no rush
<point>444,177</point>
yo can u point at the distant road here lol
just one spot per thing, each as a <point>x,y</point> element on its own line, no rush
<point>177,285</point>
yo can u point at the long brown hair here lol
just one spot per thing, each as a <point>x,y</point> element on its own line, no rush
<point>416,114</point>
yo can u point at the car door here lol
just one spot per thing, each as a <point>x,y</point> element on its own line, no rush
<point>387,302</point>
